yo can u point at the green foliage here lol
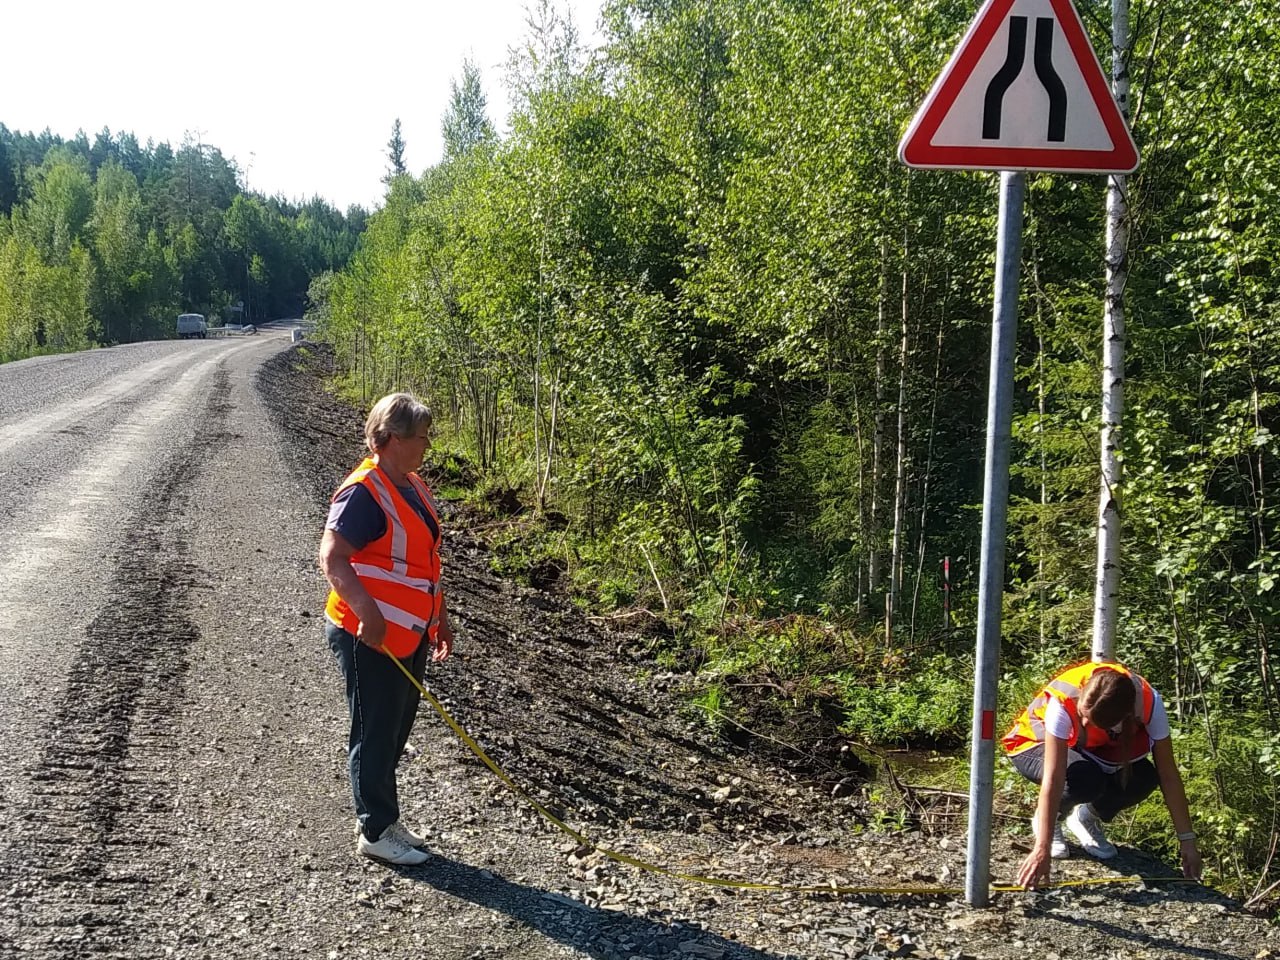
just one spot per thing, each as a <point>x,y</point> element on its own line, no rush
<point>43,308</point>
<point>395,154</point>
<point>109,243</point>
<point>1232,791</point>
<point>466,124</point>
<point>713,704</point>
<point>929,705</point>
<point>692,305</point>
<point>881,696</point>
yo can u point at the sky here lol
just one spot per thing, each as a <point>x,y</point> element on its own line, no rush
<point>302,95</point>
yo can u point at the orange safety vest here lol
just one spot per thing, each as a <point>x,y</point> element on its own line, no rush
<point>401,569</point>
<point>1028,730</point>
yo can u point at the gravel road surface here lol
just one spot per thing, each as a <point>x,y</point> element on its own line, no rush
<point>173,775</point>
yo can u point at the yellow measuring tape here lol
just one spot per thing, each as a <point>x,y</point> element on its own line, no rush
<point>722,881</point>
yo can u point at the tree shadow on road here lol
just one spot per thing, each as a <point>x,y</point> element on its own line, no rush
<point>597,932</point>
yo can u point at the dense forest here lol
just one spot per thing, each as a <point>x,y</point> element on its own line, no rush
<point>731,356</point>
<point>108,241</point>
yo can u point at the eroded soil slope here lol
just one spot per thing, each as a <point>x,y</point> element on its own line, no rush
<point>583,717</point>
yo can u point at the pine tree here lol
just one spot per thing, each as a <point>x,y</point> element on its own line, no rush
<point>466,125</point>
<point>395,154</point>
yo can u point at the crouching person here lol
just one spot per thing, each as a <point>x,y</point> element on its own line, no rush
<point>1096,740</point>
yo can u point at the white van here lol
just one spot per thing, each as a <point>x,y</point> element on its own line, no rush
<point>192,325</point>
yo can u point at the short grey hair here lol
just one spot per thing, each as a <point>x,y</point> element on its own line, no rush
<point>395,415</point>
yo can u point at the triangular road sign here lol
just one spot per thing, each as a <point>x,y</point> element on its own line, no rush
<point>1023,91</point>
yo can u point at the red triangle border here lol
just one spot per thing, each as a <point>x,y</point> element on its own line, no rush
<point>917,150</point>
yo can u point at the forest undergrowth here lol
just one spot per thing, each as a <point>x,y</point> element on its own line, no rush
<point>717,363</point>
<point>818,687</point>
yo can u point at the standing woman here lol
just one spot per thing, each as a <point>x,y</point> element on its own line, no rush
<point>380,553</point>
<point>1085,739</point>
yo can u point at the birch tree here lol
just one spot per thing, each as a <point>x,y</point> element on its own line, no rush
<point>1107,587</point>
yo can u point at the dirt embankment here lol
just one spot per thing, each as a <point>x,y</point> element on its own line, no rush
<point>599,733</point>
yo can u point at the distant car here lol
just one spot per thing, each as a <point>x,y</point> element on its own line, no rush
<point>192,325</point>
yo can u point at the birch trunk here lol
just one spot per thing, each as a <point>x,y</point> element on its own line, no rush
<point>928,458</point>
<point>537,370</point>
<point>545,480</point>
<point>900,477</point>
<point>862,589</point>
<point>1107,588</point>
<point>1042,592</point>
<point>877,429</point>
<point>1042,525</point>
<point>1262,549</point>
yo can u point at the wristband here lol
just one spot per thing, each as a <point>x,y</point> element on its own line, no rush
<point>1184,837</point>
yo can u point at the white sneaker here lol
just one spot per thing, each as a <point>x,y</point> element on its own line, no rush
<point>404,833</point>
<point>1058,849</point>
<point>1087,828</point>
<point>410,837</point>
<point>391,848</point>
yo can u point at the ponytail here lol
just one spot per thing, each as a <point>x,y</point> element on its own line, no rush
<point>1109,698</point>
<point>1128,730</point>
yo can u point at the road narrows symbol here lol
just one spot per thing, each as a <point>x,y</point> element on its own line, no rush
<point>1003,80</point>
<point>1050,80</point>
<point>987,111</point>
<point>1048,77</point>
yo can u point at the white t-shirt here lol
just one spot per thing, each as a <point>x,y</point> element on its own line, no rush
<point>1057,723</point>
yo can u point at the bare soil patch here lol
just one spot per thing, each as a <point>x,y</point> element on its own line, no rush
<point>580,714</point>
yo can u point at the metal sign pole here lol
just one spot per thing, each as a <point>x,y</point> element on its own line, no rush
<point>995,503</point>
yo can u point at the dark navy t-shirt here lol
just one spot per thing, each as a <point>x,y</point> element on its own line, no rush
<point>357,518</point>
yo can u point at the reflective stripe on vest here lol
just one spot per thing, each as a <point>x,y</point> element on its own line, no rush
<point>364,570</point>
<point>400,570</point>
<point>401,618</point>
<point>399,539</point>
<point>1029,729</point>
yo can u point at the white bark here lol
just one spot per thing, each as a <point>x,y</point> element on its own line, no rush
<point>1107,588</point>
<point>1042,540</point>
<point>537,369</point>
<point>900,479</point>
<point>928,458</point>
<point>1042,592</point>
<point>877,418</point>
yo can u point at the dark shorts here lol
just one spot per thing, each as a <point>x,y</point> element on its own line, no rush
<point>1087,782</point>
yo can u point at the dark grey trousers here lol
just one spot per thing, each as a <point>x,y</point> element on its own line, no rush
<point>1089,783</point>
<point>382,704</point>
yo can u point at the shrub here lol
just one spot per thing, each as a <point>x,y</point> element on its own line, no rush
<point>930,706</point>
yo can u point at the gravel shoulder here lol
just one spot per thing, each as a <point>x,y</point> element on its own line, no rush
<point>598,732</point>
<point>204,734</point>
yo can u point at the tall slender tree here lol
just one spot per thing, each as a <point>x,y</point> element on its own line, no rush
<point>466,123</point>
<point>1107,587</point>
<point>395,154</point>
